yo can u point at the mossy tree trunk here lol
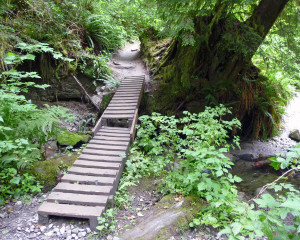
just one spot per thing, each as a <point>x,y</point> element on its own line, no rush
<point>218,68</point>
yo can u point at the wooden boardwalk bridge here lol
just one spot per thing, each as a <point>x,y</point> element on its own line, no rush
<point>91,182</point>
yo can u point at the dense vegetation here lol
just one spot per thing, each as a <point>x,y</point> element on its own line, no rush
<point>187,155</point>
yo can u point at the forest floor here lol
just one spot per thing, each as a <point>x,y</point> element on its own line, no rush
<point>127,62</point>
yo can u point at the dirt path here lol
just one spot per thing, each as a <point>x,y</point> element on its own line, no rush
<point>126,62</point>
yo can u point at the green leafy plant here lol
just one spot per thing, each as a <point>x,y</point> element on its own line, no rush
<point>15,184</point>
<point>266,214</point>
<point>107,223</point>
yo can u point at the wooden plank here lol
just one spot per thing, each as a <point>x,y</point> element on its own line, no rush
<point>82,199</point>
<point>118,104</point>
<point>118,116</point>
<point>94,164</point>
<point>104,152</point>
<point>114,129</point>
<point>125,98</point>
<point>123,101</point>
<point>122,139</point>
<point>82,189</point>
<point>112,134</point>
<point>107,147</point>
<point>93,171</point>
<point>112,143</point>
<point>99,158</point>
<point>125,94</point>
<point>120,111</point>
<point>65,210</point>
<point>101,181</point>
<point>121,108</point>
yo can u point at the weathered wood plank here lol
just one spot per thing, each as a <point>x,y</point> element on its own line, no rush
<point>123,139</point>
<point>107,147</point>
<point>82,189</point>
<point>101,181</point>
<point>94,164</point>
<point>104,152</point>
<point>93,171</point>
<point>82,199</point>
<point>99,158</point>
<point>111,143</point>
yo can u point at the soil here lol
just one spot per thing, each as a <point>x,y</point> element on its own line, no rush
<point>126,62</point>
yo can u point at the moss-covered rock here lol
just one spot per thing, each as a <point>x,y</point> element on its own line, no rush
<point>171,215</point>
<point>48,172</point>
<point>67,138</point>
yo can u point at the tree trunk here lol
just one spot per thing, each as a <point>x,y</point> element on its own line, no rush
<point>218,68</point>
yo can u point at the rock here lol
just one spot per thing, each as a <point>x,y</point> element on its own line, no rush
<point>49,234</point>
<point>75,230</point>
<point>43,229</point>
<point>19,203</point>
<point>62,230</point>
<point>246,157</point>
<point>116,238</point>
<point>81,234</point>
<point>88,230</point>
<point>50,226</point>
<point>2,215</point>
<point>295,135</point>
<point>67,138</point>
<point>163,222</point>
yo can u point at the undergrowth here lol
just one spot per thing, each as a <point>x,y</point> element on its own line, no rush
<point>24,128</point>
<point>188,154</point>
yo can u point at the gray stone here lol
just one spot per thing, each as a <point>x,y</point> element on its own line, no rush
<point>43,229</point>
<point>19,203</point>
<point>75,230</point>
<point>62,230</point>
<point>50,226</point>
<point>109,237</point>
<point>164,220</point>
<point>88,230</point>
<point>81,234</point>
<point>295,135</point>
<point>2,215</point>
<point>49,234</point>
<point>116,238</point>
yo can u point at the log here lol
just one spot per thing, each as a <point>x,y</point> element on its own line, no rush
<point>86,93</point>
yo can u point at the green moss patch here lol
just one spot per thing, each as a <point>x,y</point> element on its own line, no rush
<point>67,138</point>
<point>48,172</point>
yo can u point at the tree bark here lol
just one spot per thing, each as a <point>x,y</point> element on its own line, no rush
<point>265,15</point>
<point>219,62</point>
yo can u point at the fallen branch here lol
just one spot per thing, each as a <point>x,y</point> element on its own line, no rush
<point>264,188</point>
<point>86,93</point>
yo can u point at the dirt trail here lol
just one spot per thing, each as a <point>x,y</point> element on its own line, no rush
<point>126,62</point>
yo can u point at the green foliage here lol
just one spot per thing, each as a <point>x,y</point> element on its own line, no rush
<point>275,215</point>
<point>289,159</point>
<point>24,128</point>
<point>189,153</point>
<point>107,223</point>
<point>15,184</point>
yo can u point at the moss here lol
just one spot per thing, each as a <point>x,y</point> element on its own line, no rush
<point>67,138</point>
<point>47,172</point>
<point>191,206</point>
